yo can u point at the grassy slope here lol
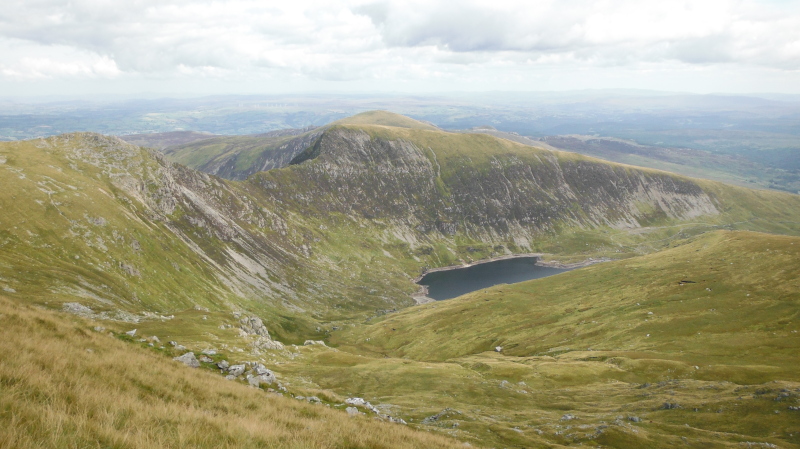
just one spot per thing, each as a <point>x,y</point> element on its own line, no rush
<point>68,386</point>
<point>586,343</point>
<point>246,149</point>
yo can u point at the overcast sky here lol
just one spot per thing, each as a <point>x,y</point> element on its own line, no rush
<point>257,46</point>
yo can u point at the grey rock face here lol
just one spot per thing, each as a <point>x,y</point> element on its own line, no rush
<point>188,359</point>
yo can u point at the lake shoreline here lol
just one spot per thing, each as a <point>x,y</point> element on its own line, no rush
<point>421,296</point>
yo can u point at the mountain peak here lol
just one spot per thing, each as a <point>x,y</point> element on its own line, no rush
<point>385,118</point>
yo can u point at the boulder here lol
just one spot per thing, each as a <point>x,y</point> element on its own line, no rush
<point>352,411</point>
<point>223,365</point>
<point>236,370</point>
<point>188,359</point>
<point>314,342</point>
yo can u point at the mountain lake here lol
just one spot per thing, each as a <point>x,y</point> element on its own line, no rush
<point>450,283</point>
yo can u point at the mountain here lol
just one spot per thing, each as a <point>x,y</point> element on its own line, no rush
<point>124,236</point>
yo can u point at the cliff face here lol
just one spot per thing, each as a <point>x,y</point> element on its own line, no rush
<point>516,191</point>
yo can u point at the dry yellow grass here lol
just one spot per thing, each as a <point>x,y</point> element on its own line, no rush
<point>63,385</point>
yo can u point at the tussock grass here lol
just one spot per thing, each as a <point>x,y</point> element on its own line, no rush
<point>65,386</point>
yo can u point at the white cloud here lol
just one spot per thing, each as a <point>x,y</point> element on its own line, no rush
<point>471,43</point>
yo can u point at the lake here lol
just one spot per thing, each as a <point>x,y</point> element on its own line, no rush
<point>456,282</point>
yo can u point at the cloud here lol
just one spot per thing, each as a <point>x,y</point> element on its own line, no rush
<point>622,31</point>
<point>351,40</point>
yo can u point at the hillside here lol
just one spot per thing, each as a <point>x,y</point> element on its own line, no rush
<point>694,345</point>
<point>118,233</point>
<point>71,385</point>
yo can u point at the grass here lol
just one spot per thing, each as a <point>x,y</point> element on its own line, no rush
<point>603,343</point>
<point>69,386</point>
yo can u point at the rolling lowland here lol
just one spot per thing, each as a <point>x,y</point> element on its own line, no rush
<point>688,336</point>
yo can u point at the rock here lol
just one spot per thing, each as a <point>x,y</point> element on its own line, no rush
<point>634,419</point>
<point>267,343</point>
<point>433,418</point>
<point>155,339</point>
<point>230,377</point>
<point>352,411</point>
<point>236,370</point>
<point>313,399</point>
<point>256,381</point>
<point>498,349</point>
<point>223,365</point>
<point>188,359</point>
<point>253,326</point>
<point>396,420</point>
<point>209,352</point>
<point>355,401</point>
<point>670,406</point>
<point>314,342</point>
<point>206,359</point>
<point>99,329</point>
<point>568,417</point>
<point>268,378</point>
<point>131,333</point>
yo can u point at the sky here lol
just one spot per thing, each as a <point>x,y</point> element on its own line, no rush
<point>184,47</point>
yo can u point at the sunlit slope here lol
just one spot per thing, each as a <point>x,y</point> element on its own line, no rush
<point>727,302</point>
<point>69,386</point>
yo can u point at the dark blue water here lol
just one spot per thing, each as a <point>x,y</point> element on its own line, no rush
<point>451,283</point>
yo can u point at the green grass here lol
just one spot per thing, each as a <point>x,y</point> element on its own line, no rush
<point>579,344</point>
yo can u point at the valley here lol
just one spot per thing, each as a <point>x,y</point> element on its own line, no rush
<point>687,335</point>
